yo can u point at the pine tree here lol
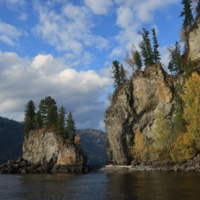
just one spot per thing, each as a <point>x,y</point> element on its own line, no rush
<point>175,65</point>
<point>146,49</point>
<point>156,54</point>
<point>123,78</point>
<point>52,117</point>
<point>29,120</point>
<point>61,120</point>
<point>71,128</point>
<point>187,14</point>
<point>44,106</point>
<point>116,73</point>
<point>38,120</point>
<point>137,60</point>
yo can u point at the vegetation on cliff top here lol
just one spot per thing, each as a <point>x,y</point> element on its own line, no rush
<point>51,118</point>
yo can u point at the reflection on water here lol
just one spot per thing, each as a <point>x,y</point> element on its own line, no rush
<point>103,185</point>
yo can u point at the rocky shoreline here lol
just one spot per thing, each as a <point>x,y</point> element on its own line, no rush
<point>190,165</point>
<point>24,166</point>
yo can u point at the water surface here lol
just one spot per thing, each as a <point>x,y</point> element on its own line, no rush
<point>117,185</point>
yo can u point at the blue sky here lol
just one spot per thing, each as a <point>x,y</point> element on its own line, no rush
<point>64,49</point>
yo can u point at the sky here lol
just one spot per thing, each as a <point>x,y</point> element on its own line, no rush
<point>65,48</point>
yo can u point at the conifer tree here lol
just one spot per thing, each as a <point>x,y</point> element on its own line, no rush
<point>44,106</point>
<point>71,128</point>
<point>116,73</point>
<point>187,14</point>
<point>156,54</point>
<point>137,60</point>
<point>123,78</point>
<point>146,49</point>
<point>61,120</point>
<point>29,120</point>
<point>38,120</point>
<point>52,117</point>
<point>175,64</point>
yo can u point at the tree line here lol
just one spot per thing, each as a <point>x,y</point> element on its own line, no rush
<point>49,117</point>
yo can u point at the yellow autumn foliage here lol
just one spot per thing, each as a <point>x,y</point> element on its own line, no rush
<point>139,148</point>
<point>192,110</point>
<point>164,137</point>
<point>77,140</point>
<point>183,148</point>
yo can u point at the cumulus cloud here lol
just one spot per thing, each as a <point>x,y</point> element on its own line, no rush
<point>99,7</point>
<point>144,9</point>
<point>24,79</point>
<point>69,30</point>
<point>8,33</point>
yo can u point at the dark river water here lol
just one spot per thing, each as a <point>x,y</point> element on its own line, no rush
<point>102,185</point>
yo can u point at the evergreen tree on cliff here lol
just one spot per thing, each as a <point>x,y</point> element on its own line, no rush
<point>71,128</point>
<point>116,73</point>
<point>61,120</point>
<point>52,117</point>
<point>29,120</point>
<point>44,106</point>
<point>176,61</point>
<point>137,60</point>
<point>38,120</point>
<point>146,49</point>
<point>123,78</point>
<point>187,14</point>
<point>156,54</point>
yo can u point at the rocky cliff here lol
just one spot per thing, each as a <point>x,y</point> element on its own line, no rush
<point>45,151</point>
<point>134,108</point>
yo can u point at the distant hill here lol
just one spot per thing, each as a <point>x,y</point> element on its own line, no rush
<point>93,143</point>
<point>11,139</point>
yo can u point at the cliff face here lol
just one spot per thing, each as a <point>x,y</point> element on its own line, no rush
<point>194,41</point>
<point>46,148</point>
<point>134,108</point>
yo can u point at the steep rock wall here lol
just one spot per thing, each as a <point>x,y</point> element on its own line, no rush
<point>194,41</point>
<point>43,148</point>
<point>134,108</point>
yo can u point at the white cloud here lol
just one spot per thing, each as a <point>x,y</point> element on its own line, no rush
<point>69,30</point>
<point>99,7</point>
<point>24,79</point>
<point>23,17</point>
<point>144,9</point>
<point>124,17</point>
<point>8,33</point>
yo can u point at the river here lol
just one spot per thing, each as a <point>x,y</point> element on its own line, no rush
<point>116,185</point>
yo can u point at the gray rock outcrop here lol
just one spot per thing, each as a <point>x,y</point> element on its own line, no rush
<point>134,108</point>
<point>45,151</point>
